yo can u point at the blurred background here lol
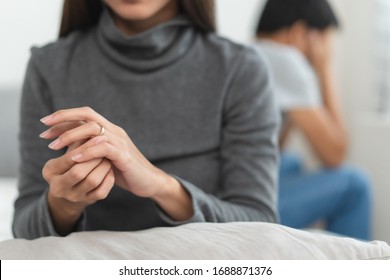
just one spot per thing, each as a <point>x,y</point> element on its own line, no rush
<point>362,68</point>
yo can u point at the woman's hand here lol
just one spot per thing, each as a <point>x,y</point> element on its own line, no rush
<point>73,186</point>
<point>133,172</point>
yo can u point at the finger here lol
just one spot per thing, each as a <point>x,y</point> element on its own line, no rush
<point>62,184</point>
<point>65,162</point>
<point>85,114</point>
<point>79,172</point>
<point>59,129</point>
<point>86,131</point>
<point>94,178</point>
<point>102,191</point>
<point>105,149</point>
<point>75,145</point>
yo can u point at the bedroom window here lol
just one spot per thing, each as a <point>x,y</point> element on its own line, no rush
<point>382,59</point>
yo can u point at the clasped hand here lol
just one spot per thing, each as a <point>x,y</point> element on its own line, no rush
<point>86,172</point>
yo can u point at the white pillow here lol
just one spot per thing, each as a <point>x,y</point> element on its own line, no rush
<point>197,241</point>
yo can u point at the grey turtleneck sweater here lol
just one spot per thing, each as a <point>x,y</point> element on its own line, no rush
<point>196,105</point>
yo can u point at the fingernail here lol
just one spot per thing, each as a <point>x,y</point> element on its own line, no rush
<point>46,119</point>
<point>76,157</point>
<point>44,134</point>
<point>55,143</point>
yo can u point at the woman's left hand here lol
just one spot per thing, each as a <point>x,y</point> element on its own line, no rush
<point>133,171</point>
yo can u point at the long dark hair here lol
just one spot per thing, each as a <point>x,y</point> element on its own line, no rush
<point>81,14</point>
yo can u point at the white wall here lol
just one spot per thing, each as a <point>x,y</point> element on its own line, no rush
<point>237,19</point>
<point>24,23</point>
<point>370,133</point>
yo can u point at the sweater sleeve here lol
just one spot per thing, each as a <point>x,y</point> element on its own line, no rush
<point>32,217</point>
<point>248,152</point>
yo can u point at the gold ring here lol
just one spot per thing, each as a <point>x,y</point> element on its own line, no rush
<point>102,130</point>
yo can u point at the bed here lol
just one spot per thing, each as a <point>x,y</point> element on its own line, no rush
<point>197,241</point>
<point>190,241</point>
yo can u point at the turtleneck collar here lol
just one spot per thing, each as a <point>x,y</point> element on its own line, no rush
<point>146,51</point>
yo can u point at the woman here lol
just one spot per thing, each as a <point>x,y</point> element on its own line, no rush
<point>157,121</point>
<point>296,37</point>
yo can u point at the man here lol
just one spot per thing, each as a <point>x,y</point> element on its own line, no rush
<point>296,37</point>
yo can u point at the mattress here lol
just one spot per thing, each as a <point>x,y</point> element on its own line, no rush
<point>197,241</point>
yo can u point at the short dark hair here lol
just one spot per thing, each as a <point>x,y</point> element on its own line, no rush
<point>279,14</point>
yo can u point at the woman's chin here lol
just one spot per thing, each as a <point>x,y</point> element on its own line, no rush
<point>138,10</point>
<point>134,13</point>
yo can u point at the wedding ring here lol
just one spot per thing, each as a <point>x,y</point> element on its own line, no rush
<point>102,130</point>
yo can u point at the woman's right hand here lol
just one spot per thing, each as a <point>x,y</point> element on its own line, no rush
<point>74,186</point>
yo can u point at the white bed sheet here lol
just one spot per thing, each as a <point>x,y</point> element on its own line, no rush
<point>198,241</point>
<point>8,191</point>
